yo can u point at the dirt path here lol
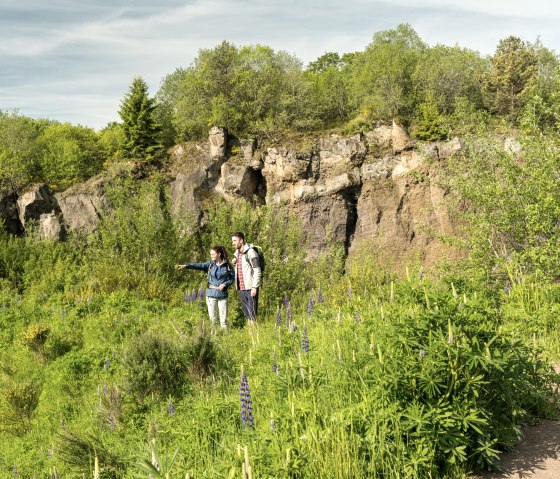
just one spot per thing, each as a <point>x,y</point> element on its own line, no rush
<point>537,456</point>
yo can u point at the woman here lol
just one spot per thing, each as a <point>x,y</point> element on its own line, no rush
<point>220,278</point>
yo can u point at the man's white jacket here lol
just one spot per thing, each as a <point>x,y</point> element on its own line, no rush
<point>251,267</point>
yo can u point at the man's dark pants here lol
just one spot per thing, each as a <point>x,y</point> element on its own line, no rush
<point>249,304</point>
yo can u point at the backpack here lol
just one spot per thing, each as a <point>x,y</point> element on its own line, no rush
<point>260,253</point>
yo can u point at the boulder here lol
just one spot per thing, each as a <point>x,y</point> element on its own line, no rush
<point>35,202</point>
<point>400,139</point>
<point>81,206</point>
<point>217,138</point>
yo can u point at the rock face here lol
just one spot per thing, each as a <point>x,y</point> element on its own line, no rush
<point>377,191</point>
<point>9,212</point>
<point>40,206</point>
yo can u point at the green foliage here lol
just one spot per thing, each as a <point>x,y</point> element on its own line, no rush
<point>19,156</point>
<point>382,75</point>
<point>514,71</point>
<point>18,403</point>
<point>68,154</point>
<point>512,205</point>
<point>430,125</point>
<point>444,74</point>
<point>110,140</point>
<point>157,365</point>
<point>141,133</point>
<point>137,244</point>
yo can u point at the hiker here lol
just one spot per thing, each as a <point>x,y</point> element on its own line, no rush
<point>220,278</point>
<point>247,275</point>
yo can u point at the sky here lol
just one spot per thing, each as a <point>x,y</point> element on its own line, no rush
<point>73,60</point>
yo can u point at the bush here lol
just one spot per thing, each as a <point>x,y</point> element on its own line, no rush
<point>156,365</point>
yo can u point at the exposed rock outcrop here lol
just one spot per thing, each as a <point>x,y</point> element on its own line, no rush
<point>39,206</point>
<point>9,212</point>
<point>377,190</point>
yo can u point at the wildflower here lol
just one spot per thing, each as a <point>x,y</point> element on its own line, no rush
<point>304,340</point>
<point>15,471</point>
<point>105,388</point>
<point>278,317</point>
<point>506,289</point>
<point>274,364</point>
<point>349,292</point>
<point>422,354</point>
<point>201,293</point>
<point>286,302</point>
<point>310,306</point>
<point>107,363</point>
<point>245,402</point>
<point>288,315</point>
<point>187,297</point>
<point>319,296</point>
<point>170,409</point>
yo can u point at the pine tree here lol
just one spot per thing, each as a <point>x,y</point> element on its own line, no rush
<point>142,133</point>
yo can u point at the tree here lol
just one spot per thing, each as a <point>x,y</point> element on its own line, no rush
<point>142,134</point>
<point>68,154</point>
<point>18,150</point>
<point>381,77</point>
<point>514,72</point>
<point>448,73</point>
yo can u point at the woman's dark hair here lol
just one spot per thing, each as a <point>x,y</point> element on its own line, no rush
<point>222,253</point>
<point>239,235</point>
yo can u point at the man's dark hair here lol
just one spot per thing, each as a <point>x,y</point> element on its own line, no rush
<point>239,235</point>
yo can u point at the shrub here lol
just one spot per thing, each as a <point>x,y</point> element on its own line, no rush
<point>156,365</point>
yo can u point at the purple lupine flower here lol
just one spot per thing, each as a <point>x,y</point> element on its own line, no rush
<point>319,295</point>
<point>105,388</point>
<point>278,317</point>
<point>274,363</point>
<point>506,289</point>
<point>194,295</point>
<point>304,340</point>
<point>15,471</point>
<point>246,404</point>
<point>285,302</point>
<point>170,409</point>
<point>349,292</point>
<point>107,364</point>
<point>310,305</point>
<point>201,293</point>
<point>187,297</point>
<point>288,315</point>
<point>422,354</point>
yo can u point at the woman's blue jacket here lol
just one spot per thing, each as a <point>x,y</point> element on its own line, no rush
<point>217,275</point>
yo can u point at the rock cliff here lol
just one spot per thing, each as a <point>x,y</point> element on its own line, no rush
<point>378,190</point>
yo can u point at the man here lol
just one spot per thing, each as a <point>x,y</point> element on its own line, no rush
<point>247,275</point>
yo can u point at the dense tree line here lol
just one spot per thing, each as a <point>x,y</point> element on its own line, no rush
<point>254,91</point>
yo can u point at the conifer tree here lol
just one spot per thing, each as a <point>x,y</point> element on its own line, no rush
<point>142,133</point>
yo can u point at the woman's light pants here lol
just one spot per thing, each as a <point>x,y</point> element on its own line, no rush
<point>217,305</point>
